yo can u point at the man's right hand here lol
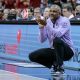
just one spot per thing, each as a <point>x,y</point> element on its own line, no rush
<point>41,22</point>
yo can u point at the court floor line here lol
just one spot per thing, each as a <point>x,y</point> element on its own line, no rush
<point>6,75</point>
<point>28,65</point>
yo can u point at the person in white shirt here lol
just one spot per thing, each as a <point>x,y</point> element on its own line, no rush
<point>67,12</point>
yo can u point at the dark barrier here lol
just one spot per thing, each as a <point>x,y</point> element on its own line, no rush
<point>25,22</point>
<point>19,38</point>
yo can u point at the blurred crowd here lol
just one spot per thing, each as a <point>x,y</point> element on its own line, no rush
<point>29,9</point>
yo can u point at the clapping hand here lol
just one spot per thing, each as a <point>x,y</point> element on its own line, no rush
<point>40,22</point>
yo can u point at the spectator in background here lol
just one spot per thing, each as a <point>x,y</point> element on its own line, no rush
<point>24,13</point>
<point>77,10</point>
<point>46,13</point>
<point>6,12</point>
<point>44,4</point>
<point>10,3</point>
<point>27,14</point>
<point>57,2</point>
<point>37,12</point>
<point>18,14</point>
<point>12,14</point>
<point>77,13</point>
<point>67,12</point>
<point>30,14</point>
<point>2,4</point>
<point>73,3</point>
<point>1,14</point>
<point>35,3</point>
<point>22,3</point>
<point>5,17</point>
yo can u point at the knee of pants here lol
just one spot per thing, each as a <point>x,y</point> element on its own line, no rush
<point>31,57</point>
<point>68,57</point>
<point>57,41</point>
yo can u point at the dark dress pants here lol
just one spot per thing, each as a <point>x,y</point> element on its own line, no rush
<point>47,56</point>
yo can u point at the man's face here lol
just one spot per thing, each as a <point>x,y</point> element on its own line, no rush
<point>36,12</point>
<point>46,12</point>
<point>77,11</point>
<point>64,12</point>
<point>54,14</point>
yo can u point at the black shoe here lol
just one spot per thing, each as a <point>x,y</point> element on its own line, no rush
<point>58,69</point>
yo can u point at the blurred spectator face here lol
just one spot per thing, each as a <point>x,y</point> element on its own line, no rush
<point>18,10</point>
<point>5,16</point>
<point>65,12</point>
<point>6,11</point>
<point>77,10</point>
<point>12,14</point>
<point>1,15</point>
<point>10,3</point>
<point>37,12</point>
<point>30,14</point>
<point>12,11</point>
<point>26,2</point>
<point>18,14</point>
<point>55,12</point>
<point>2,4</point>
<point>24,13</point>
<point>22,3</point>
<point>46,12</point>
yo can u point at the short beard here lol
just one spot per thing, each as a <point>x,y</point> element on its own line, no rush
<point>54,19</point>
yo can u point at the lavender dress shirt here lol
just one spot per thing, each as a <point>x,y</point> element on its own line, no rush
<point>61,29</point>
